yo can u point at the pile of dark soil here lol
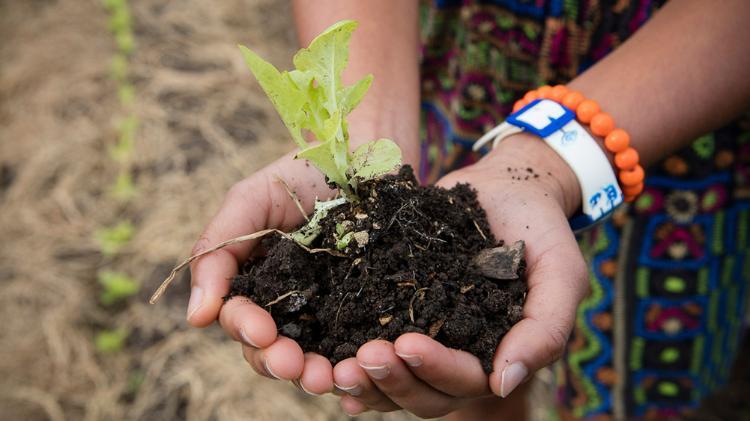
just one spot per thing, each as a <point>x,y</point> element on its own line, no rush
<point>413,271</point>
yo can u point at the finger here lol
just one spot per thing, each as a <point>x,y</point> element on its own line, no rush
<point>352,406</point>
<point>456,373</point>
<point>254,358</point>
<point>317,375</point>
<point>351,379</point>
<point>256,203</point>
<point>244,211</point>
<point>283,360</point>
<point>557,281</point>
<point>248,323</point>
<point>393,378</point>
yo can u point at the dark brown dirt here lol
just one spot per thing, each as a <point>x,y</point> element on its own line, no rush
<point>413,275</point>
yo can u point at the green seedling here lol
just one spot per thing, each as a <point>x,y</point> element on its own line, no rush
<point>120,24</point>
<point>119,68</point>
<point>112,5</point>
<point>125,42</point>
<point>111,341</point>
<point>126,93</point>
<point>344,234</point>
<point>312,99</point>
<point>111,240</point>
<point>120,20</point>
<point>116,287</point>
<point>122,151</point>
<point>124,189</point>
<point>135,381</point>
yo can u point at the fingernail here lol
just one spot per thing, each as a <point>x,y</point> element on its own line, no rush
<point>302,386</point>
<point>196,300</point>
<point>350,415</point>
<point>355,390</point>
<point>268,369</point>
<point>512,376</point>
<point>246,339</point>
<point>377,372</point>
<point>411,360</point>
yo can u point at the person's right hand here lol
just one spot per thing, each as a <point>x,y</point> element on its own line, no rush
<point>253,204</point>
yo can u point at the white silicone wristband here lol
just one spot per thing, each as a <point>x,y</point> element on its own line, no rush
<point>600,192</point>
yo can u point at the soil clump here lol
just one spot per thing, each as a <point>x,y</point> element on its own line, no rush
<point>409,267</point>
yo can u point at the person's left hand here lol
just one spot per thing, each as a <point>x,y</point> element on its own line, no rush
<point>418,374</point>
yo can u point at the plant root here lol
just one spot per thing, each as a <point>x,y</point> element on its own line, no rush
<point>165,284</point>
<point>479,229</point>
<point>294,197</point>
<point>282,297</point>
<point>419,292</point>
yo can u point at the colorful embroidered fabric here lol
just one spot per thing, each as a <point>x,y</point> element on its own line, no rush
<point>669,275</point>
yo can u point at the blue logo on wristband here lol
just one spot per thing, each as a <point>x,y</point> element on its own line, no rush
<point>541,117</point>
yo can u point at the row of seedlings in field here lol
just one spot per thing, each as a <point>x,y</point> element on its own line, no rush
<point>117,286</point>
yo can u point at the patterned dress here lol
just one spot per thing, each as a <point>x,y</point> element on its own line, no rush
<point>669,274</point>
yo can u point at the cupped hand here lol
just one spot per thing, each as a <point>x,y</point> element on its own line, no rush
<point>527,192</point>
<point>258,202</point>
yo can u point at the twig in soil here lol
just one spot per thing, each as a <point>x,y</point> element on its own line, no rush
<point>341,304</point>
<point>466,288</point>
<point>355,263</point>
<point>407,284</point>
<point>411,302</point>
<point>165,284</point>
<point>434,329</point>
<point>294,197</point>
<point>395,215</point>
<point>386,310</point>
<point>283,296</point>
<point>479,229</point>
<point>439,240</point>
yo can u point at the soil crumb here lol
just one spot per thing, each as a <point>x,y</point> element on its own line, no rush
<point>407,268</point>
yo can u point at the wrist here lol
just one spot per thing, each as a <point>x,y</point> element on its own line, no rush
<point>399,123</point>
<point>556,177</point>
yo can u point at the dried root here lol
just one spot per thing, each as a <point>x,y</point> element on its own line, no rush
<point>165,284</point>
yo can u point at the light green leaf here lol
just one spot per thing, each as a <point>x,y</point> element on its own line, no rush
<point>119,67</point>
<point>109,341</point>
<point>111,240</point>
<point>375,158</point>
<point>122,151</point>
<point>117,286</point>
<point>125,41</point>
<point>126,93</point>
<point>344,241</point>
<point>282,90</point>
<point>322,157</point>
<point>326,58</point>
<point>124,188</point>
<point>351,96</point>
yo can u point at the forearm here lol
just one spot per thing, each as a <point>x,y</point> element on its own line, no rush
<point>682,75</point>
<point>386,44</point>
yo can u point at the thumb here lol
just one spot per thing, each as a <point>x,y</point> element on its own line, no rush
<point>558,281</point>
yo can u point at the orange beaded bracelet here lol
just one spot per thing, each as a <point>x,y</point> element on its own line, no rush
<point>616,140</point>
